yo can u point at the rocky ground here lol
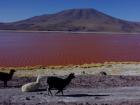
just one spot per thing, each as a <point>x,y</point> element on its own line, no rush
<point>83,90</point>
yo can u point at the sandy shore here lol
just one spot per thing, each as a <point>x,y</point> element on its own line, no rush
<point>116,69</point>
<point>71,32</point>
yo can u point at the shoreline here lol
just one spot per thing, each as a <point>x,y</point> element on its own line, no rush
<point>69,32</point>
<point>111,68</point>
<point>62,67</point>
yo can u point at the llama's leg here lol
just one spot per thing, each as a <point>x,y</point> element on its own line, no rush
<point>5,83</point>
<point>62,92</point>
<point>58,92</point>
<point>49,90</point>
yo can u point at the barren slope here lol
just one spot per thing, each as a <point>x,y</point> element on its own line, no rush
<point>87,20</point>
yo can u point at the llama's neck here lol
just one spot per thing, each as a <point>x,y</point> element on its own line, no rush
<point>11,74</point>
<point>38,79</point>
<point>68,79</point>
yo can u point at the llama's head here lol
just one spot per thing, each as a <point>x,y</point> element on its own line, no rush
<point>12,71</point>
<point>71,75</point>
<point>102,73</point>
<point>39,77</point>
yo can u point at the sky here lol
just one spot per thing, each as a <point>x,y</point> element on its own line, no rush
<point>16,10</point>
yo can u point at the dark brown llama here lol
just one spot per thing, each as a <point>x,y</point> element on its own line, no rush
<point>58,83</point>
<point>6,77</point>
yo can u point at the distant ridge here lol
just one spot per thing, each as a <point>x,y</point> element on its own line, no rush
<point>79,20</point>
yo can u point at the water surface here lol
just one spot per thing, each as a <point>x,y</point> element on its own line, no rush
<point>31,49</point>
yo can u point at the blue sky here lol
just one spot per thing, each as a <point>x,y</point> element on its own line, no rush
<point>16,10</point>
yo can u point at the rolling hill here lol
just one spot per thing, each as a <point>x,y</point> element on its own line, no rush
<point>79,20</point>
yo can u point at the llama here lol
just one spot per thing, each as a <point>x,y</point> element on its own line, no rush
<point>58,83</point>
<point>6,77</point>
<point>102,73</point>
<point>30,87</point>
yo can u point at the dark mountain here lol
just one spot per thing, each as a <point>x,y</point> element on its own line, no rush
<point>84,20</point>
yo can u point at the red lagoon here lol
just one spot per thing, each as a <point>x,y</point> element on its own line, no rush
<point>31,49</point>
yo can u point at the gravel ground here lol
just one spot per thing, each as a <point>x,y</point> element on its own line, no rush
<point>83,90</point>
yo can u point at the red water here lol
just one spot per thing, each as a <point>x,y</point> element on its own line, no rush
<point>31,49</point>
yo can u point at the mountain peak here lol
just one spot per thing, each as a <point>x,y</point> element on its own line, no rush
<point>87,20</point>
<point>81,14</point>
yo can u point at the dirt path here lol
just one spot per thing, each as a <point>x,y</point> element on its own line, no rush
<point>112,96</point>
<point>83,90</point>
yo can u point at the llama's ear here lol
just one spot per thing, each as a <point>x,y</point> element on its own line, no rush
<point>12,70</point>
